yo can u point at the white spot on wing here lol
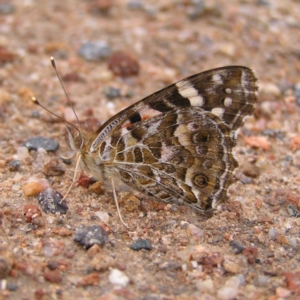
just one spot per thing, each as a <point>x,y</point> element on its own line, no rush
<point>244,81</point>
<point>217,78</point>
<point>186,90</point>
<point>196,101</point>
<point>147,113</point>
<point>227,101</point>
<point>218,111</point>
<point>228,91</point>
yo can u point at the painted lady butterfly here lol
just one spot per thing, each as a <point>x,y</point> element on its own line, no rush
<point>176,144</point>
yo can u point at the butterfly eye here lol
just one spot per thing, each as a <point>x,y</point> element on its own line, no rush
<point>78,141</point>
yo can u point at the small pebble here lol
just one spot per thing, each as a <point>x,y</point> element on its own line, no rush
<point>31,211</point>
<point>6,261</point>
<point>97,187</point>
<point>22,153</point>
<point>50,201</point>
<point>89,280</point>
<point>270,89</point>
<point>93,51</point>
<point>273,233</point>
<point>141,244</point>
<point>235,264</point>
<point>227,293</point>
<point>205,286</point>
<point>251,254</point>
<point>6,8</point>
<point>282,292</point>
<point>197,9</point>
<point>33,189</point>
<point>89,236</point>
<point>53,276</point>
<point>195,231</point>
<point>84,181</point>
<point>118,278</point>
<point>53,167</point>
<point>236,281</point>
<point>297,93</point>
<point>41,142</point>
<point>103,216</point>
<point>128,201</point>
<point>111,92</point>
<point>6,56</point>
<point>250,170</point>
<point>293,242</point>
<point>14,165</point>
<point>293,211</point>
<point>135,5</point>
<point>102,262</point>
<point>11,286</point>
<point>53,247</point>
<point>263,280</point>
<point>236,247</point>
<point>123,64</point>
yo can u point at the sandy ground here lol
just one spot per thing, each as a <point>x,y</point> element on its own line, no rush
<point>247,250</point>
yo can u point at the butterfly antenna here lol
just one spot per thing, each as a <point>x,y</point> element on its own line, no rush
<point>35,101</point>
<point>63,87</point>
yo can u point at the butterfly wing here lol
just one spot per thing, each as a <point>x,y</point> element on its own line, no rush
<point>177,143</point>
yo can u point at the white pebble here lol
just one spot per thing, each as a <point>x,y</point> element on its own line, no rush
<point>205,286</point>
<point>227,293</point>
<point>235,281</point>
<point>293,242</point>
<point>103,216</point>
<point>118,278</point>
<point>194,230</point>
<point>194,264</point>
<point>22,153</point>
<point>272,233</point>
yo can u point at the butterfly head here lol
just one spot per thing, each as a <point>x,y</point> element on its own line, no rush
<point>76,139</point>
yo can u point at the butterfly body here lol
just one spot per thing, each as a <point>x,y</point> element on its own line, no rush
<point>176,144</point>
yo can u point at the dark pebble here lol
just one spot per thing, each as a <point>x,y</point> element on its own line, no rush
<point>11,286</point>
<point>141,244</point>
<point>41,142</point>
<point>275,133</point>
<point>245,179</point>
<point>135,5</point>
<point>94,51</point>
<point>249,170</point>
<point>14,165</point>
<point>6,8</point>
<point>67,161</point>
<point>35,114</point>
<point>236,247</point>
<point>111,92</point>
<point>197,9</point>
<point>293,211</point>
<point>263,2</point>
<point>50,201</point>
<point>90,236</point>
<point>297,92</point>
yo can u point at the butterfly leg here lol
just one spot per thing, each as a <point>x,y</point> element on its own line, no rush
<point>116,201</point>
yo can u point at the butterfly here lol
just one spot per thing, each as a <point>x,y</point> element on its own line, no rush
<point>176,144</point>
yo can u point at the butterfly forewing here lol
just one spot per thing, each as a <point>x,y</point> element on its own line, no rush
<point>177,143</point>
